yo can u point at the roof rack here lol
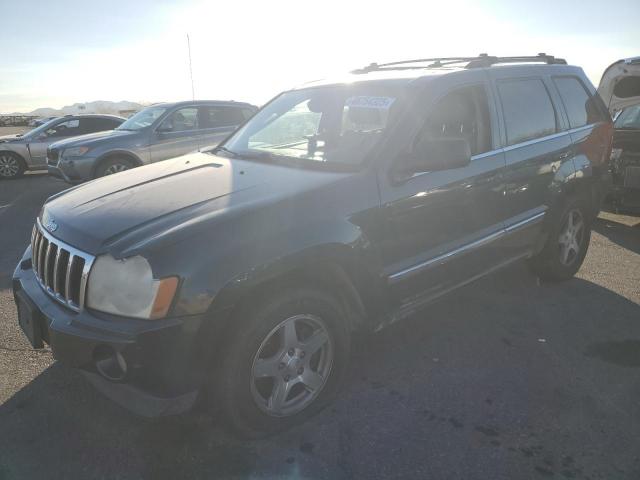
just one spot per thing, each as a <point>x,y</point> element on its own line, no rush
<point>481,61</point>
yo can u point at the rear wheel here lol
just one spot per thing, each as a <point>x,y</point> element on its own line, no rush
<point>113,165</point>
<point>567,245</point>
<point>11,165</point>
<point>284,362</point>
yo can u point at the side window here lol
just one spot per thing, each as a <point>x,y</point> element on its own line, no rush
<point>182,120</point>
<point>222,116</point>
<point>463,113</point>
<point>91,125</point>
<point>68,128</point>
<point>629,118</point>
<point>527,108</point>
<point>247,113</point>
<point>581,110</point>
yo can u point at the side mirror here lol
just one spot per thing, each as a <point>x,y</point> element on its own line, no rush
<point>164,129</point>
<point>439,154</point>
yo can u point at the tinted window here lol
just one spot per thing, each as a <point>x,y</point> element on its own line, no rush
<point>528,111</point>
<point>463,113</point>
<point>68,128</point>
<point>576,101</point>
<point>222,116</point>
<point>181,120</point>
<point>90,125</point>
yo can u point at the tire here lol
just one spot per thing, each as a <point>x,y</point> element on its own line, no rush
<point>265,385</point>
<point>113,165</point>
<point>563,253</point>
<point>11,166</point>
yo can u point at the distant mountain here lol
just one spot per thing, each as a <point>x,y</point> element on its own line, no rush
<point>100,106</point>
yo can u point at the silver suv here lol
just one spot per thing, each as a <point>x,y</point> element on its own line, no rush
<point>158,132</point>
<point>19,153</point>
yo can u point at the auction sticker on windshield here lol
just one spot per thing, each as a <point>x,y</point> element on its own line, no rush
<point>370,102</point>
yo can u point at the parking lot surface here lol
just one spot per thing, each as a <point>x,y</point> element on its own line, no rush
<point>505,379</point>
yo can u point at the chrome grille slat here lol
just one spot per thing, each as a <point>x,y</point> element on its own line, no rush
<point>56,272</point>
<point>42,254</point>
<point>67,280</point>
<point>47,258</point>
<point>61,270</point>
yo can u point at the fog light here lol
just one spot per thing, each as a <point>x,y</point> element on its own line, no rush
<point>109,363</point>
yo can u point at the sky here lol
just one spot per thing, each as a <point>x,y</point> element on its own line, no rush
<point>56,53</point>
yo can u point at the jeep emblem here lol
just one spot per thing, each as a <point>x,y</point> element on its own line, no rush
<point>50,225</point>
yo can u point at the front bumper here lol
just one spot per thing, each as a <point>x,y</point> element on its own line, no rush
<point>162,375</point>
<point>73,170</point>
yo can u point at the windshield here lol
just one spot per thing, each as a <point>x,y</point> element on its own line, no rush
<point>42,128</point>
<point>337,124</point>
<point>143,118</point>
<point>629,118</point>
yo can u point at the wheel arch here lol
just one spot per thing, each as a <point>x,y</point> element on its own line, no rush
<point>353,286</point>
<point>116,154</point>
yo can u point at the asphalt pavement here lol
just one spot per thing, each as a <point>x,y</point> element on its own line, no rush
<point>505,379</point>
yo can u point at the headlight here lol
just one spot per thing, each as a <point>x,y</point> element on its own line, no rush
<point>76,151</point>
<point>127,287</point>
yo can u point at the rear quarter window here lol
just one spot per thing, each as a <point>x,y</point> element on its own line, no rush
<point>527,109</point>
<point>580,106</point>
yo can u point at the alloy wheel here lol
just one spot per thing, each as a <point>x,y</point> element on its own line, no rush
<point>570,239</point>
<point>9,166</point>
<point>291,366</point>
<point>115,168</point>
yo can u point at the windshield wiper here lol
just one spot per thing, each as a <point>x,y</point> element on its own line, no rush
<point>225,150</point>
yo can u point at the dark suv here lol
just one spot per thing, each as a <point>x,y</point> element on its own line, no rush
<point>340,207</point>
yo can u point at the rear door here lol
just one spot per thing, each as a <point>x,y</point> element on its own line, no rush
<point>538,152</point>
<point>218,121</point>
<point>177,134</point>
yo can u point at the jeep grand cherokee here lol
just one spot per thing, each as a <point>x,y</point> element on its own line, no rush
<point>342,206</point>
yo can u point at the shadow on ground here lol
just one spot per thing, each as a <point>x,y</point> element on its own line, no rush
<point>623,235</point>
<point>500,380</point>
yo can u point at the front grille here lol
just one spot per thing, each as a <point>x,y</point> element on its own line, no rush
<point>632,177</point>
<point>52,156</point>
<point>61,270</point>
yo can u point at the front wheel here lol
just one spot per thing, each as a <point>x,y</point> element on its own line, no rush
<point>11,165</point>
<point>567,244</point>
<point>113,165</point>
<point>284,361</point>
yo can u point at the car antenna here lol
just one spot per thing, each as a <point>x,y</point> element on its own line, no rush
<point>193,95</point>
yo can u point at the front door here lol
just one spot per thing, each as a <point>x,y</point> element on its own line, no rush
<point>443,227</point>
<point>59,131</point>
<point>178,134</point>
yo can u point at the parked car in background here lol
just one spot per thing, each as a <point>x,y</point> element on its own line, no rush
<point>36,122</point>
<point>19,153</point>
<point>342,206</point>
<point>158,132</point>
<point>625,159</point>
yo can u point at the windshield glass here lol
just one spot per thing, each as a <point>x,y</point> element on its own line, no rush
<point>143,118</point>
<point>42,128</point>
<point>629,118</point>
<point>337,124</point>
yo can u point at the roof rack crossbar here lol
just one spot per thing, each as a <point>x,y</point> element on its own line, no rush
<point>481,61</point>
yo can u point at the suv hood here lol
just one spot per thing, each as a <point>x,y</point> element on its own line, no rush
<point>91,138</point>
<point>123,213</point>
<point>620,84</point>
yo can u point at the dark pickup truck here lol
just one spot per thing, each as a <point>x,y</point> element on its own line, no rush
<point>239,275</point>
